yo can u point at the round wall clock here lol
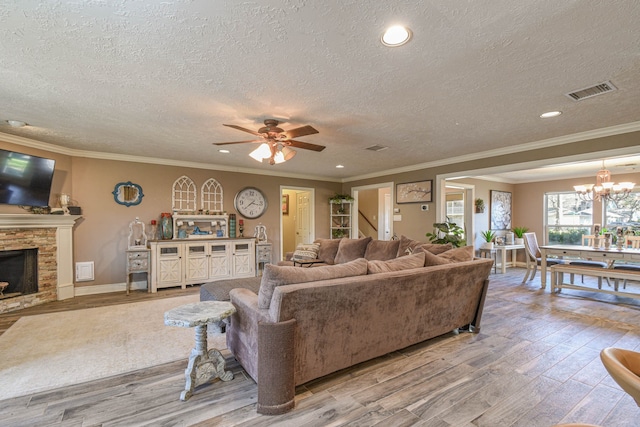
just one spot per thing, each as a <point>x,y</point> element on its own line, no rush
<point>250,202</point>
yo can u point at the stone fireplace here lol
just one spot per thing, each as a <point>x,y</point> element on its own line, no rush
<point>52,237</point>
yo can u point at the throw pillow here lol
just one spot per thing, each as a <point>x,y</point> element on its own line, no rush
<point>401,263</point>
<point>306,251</point>
<point>328,250</point>
<point>436,248</point>
<point>350,249</point>
<point>453,255</point>
<point>464,253</point>
<point>433,259</point>
<point>382,250</point>
<point>274,276</point>
<point>407,246</point>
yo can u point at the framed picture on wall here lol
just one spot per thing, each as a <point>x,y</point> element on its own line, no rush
<point>414,192</point>
<point>285,204</point>
<point>500,210</point>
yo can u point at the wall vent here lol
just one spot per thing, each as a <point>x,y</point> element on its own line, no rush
<point>588,92</point>
<point>377,148</point>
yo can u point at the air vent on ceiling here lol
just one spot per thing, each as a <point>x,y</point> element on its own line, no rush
<point>377,148</point>
<point>591,91</point>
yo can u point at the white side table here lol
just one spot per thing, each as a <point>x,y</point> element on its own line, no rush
<point>138,262</point>
<point>263,256</point>
<point>204,364</point>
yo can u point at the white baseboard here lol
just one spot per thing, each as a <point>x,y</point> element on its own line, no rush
<point>108,288</point>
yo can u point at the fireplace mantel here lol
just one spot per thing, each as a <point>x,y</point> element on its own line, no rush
<point>64,243</point>
<point>37,221</point>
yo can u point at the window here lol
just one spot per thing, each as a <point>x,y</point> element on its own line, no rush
<point>567,218</point>
<point>625,213</point>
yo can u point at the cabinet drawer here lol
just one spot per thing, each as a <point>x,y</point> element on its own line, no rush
<point>138,255</point>
<point>602,255</point>
<point>570,253</point>
<point>138,265</point>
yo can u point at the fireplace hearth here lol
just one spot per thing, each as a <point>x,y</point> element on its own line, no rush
<point>52,236</point>
<point>19,268</point>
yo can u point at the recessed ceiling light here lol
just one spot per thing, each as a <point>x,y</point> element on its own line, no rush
<point>339,166</point>
<point>224,151</point>
<point>550,114</point>
<point>396,36</point>
<point>16,123</point>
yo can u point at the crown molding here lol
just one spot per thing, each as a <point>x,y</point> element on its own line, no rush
<point>551,142</point>
<point>545,143</point>
<point>27,142</point>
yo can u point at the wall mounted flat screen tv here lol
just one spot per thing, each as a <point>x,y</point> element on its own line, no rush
<point>25,180</point>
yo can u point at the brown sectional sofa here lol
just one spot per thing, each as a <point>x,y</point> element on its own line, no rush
<point>305,323</point>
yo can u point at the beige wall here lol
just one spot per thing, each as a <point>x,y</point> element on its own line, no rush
<point>415,223</point>
<point>529,206</point>
<point>101,234</point>
<point>368,205</point>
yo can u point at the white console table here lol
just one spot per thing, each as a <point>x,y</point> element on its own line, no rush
<point>503,249</point>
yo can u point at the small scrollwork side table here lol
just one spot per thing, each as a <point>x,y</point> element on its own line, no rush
<point>204,364</point>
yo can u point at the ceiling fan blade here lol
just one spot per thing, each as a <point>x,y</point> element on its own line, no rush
<point>301,131</point>
<point>253,132</point>
<point>306,145</point>
<point>237,142</point>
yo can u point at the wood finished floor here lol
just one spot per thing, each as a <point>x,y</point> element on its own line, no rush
<point>534,363</point>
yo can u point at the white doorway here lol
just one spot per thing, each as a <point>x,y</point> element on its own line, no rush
<point>297,219</point>
<point>375,219</point>
<point>446,206</point>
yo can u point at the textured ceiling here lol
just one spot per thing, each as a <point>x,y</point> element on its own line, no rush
<point>159,79</point>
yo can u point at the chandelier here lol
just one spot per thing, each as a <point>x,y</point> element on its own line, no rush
<point>273,151</point>
<point>604,190</point>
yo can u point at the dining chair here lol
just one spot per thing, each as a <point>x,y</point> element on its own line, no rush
<point>632,242</point>
<point>534,257</point>
<point>589,240</point>
<point>624,367</point>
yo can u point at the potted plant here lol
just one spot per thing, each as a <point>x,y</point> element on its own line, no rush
<point>488,237</point>
<point>479,203</point>
<point>519,232</point>
<point>447,232</point>
<point>340,198</point>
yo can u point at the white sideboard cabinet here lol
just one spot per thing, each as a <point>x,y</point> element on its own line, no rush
<point>184,262</point>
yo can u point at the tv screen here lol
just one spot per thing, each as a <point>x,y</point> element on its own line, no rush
<point>24,179</point>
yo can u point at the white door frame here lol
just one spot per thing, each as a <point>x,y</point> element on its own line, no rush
<point>354,194</point>
<point>312,212</point>
<point>469,219</point>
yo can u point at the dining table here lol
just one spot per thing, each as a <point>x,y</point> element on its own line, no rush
<point>609,255</point>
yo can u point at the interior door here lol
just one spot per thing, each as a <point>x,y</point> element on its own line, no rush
<point>303,219</point>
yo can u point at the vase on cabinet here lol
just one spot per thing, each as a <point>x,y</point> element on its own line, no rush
<point>166,225</point>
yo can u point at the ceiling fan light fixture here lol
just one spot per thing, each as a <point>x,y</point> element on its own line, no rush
<point>396,35</point>
<point>278,158</point>
<point>262,152</point>
<point>288,153</point>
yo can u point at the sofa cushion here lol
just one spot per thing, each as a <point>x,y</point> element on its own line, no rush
<point>350,249</point>
<point>306,251</point>
<point>401,263</point>
<point>382,250</point>
<point>328,249</point>
<point>453,255</point>
<point>407,246</point>
<point>275,275</point>
<point>436,248</point>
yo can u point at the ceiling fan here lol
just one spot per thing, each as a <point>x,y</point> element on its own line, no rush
<point>275,142</point>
